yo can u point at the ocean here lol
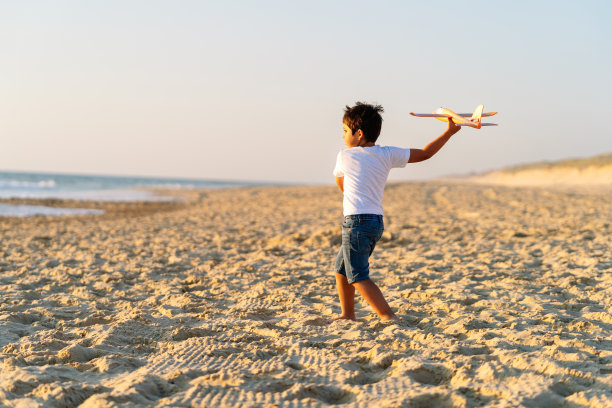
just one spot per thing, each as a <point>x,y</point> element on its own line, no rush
<point>16,185</point>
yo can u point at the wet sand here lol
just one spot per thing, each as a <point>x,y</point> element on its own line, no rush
<point>504,295</point>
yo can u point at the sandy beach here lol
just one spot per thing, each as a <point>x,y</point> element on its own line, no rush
<point>504,295</point>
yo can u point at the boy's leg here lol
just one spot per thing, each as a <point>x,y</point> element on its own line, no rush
<point>346,293</point>
<point>372,294</point>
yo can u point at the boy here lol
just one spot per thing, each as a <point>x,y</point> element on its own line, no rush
<point>361,173</point>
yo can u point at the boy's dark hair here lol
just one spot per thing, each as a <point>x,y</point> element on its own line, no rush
<point>365,117</point>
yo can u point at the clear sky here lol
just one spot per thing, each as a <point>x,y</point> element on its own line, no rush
<point>255,90</point>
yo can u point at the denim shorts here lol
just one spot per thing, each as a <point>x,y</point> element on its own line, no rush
<point>359,236</point>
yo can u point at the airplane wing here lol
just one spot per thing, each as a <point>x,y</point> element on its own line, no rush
<point>470,124</point>
<point>430,115</point>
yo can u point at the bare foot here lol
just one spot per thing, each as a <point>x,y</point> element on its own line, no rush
<point>341,317</point>
<point>390,318</point>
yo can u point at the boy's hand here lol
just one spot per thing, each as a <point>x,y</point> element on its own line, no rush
<point>452,127</point>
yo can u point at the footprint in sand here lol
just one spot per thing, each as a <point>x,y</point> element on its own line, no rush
<point>431,374</point>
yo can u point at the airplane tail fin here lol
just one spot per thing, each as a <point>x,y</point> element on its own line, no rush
<point>477,115</point>
<point>478,112</point>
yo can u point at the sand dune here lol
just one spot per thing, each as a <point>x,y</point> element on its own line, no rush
<point>504,294</point>
<point>594,172</point>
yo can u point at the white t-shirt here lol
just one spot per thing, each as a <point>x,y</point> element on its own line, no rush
<point>365,171</point>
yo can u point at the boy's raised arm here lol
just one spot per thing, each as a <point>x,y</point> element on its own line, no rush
<point>418,155</point>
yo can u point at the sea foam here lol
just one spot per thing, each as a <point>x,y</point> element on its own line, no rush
<point>11,210</point>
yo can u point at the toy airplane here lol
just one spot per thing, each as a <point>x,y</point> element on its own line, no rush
<point>460,119</point>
